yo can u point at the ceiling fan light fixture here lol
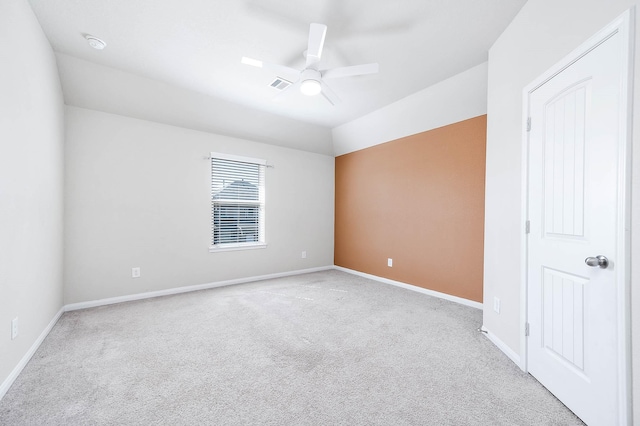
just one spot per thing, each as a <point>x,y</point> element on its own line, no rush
<point>311,80</point>
<point>310,87</point>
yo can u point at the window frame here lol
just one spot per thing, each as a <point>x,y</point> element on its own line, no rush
<point>261,203</point>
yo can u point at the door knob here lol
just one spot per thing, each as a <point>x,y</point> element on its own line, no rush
<point>599,261</point>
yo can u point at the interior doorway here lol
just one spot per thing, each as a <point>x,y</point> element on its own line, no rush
<point>577,211</point>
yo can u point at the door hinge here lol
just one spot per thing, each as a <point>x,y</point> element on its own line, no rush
<point>527,227</point>
<point>528,124</point>
<point>526,329</point>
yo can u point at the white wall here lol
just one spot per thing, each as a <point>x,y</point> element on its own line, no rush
<point>138,195</point>
<point>543,33</point>
<point>458,98</point>
<point>31,161</point>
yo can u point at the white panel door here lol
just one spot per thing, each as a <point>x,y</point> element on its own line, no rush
<point>574,144</point>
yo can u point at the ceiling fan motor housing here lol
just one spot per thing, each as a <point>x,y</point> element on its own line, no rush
<point>310,74</point>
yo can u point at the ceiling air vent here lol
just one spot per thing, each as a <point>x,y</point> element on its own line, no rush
<point>280,83</point>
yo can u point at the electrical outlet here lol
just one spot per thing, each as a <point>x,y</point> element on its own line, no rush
<point>304,254</point>
<point>14,328</point>
<point>390,263</point>
<point>496,305</point>
<point>135,272</point>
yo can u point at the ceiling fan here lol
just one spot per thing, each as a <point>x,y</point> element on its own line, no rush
<point>310,80</point>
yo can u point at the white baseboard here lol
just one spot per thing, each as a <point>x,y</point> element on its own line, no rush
<point>462,301</point>
<point>187,289</point>
<point>513,356</point>
<point>4,387</point>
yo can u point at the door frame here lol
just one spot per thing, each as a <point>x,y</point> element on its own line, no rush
<point>624,25</point>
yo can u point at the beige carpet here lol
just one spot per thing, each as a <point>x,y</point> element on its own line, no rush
<point>326,348</point>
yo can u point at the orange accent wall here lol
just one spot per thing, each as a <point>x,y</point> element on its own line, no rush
<point>420,201</point>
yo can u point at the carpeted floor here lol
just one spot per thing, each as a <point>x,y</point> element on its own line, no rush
<point>327,348</point>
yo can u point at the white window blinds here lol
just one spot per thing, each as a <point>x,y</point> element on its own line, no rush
<point>237,201</point>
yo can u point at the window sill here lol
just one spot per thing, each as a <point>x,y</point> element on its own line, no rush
<point>236,247</point>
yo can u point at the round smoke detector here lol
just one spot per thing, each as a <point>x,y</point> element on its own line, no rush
<point>95,42</point>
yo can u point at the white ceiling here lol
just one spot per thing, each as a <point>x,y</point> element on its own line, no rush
<point>196,46</point>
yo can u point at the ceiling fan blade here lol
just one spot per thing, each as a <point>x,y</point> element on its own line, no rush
<point>351,71</point>
<point>286,92</point>
<point>277,69</point>
<point>317,33</point>
<point>329,94</point>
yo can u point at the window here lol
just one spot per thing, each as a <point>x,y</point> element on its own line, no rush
<point>237,202</point>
